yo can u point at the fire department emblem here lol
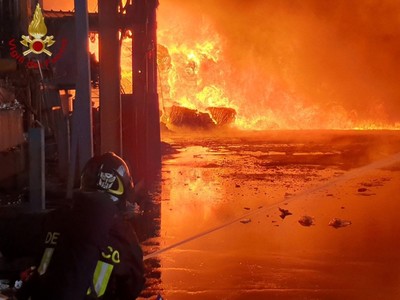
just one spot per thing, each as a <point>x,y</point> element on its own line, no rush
<point>37,30</point>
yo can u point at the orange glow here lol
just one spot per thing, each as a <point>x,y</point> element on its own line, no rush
<point>271,68</point>
<point>279,64</point>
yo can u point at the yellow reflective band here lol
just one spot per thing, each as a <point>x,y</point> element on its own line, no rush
<point>44,263</point>
<point>120,189</point>
<point>101,277</point>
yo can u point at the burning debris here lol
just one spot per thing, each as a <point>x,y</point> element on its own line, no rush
<point>194,119</point>
<point>306,221</point>
<point>338,223</point>
<point>185,117</point>
<point>284,213</point>
<point>222,115</point>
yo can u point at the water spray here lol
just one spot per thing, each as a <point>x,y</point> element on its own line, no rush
<point>388,161</point>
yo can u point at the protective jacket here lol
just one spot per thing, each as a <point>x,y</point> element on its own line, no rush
<point>88,251</point>
<point>119,270</point>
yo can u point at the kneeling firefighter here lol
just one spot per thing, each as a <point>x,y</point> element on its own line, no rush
<point>91,250</point>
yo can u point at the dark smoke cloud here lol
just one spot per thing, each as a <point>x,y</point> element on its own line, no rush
<point>341,54</point>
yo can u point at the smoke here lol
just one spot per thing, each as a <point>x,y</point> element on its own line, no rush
<point>340,58</point>
<point>295,63</point>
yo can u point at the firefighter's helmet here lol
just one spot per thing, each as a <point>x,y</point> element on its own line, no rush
<point>109,173</point>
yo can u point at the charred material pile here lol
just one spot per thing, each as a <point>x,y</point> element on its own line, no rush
<point>214,117</point>
<point>222,115</point>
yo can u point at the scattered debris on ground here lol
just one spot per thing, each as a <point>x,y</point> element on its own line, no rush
<point>245,221</point>
<point>284,213</point>
<point>338,223</point>
<point>306,221</point>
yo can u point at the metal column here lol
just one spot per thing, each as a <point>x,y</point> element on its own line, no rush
<point>36,169</point>
<point>146,152</point>
<point>110,94</point>
<point>82,137</point>
<point>153,124</point>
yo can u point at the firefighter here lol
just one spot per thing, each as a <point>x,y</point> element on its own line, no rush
<point>90,251</point>
<point>122,257</point>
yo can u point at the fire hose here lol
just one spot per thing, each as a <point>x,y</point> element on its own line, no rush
<point>388,161</point>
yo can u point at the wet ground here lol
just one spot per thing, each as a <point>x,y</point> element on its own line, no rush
<point>246,216</point>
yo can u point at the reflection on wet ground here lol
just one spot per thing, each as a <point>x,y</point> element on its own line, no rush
<point>284,228</point>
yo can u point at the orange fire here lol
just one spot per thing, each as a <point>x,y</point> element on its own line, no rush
<point>193,74</point>
<point>196,72</point>
<point>279,70</point>
<point>214,54</point>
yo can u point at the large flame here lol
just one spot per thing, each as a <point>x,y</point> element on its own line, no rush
<point>195,72</point>
<point>280,64</point>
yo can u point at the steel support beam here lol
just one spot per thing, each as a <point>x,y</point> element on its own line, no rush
<point>110,86</point>
<point>153,125</point>
<point>82,136</point>
<point>36,169</point>
<point>146,152</point>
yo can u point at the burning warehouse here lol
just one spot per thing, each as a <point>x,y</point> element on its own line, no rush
<point>262,141</point>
